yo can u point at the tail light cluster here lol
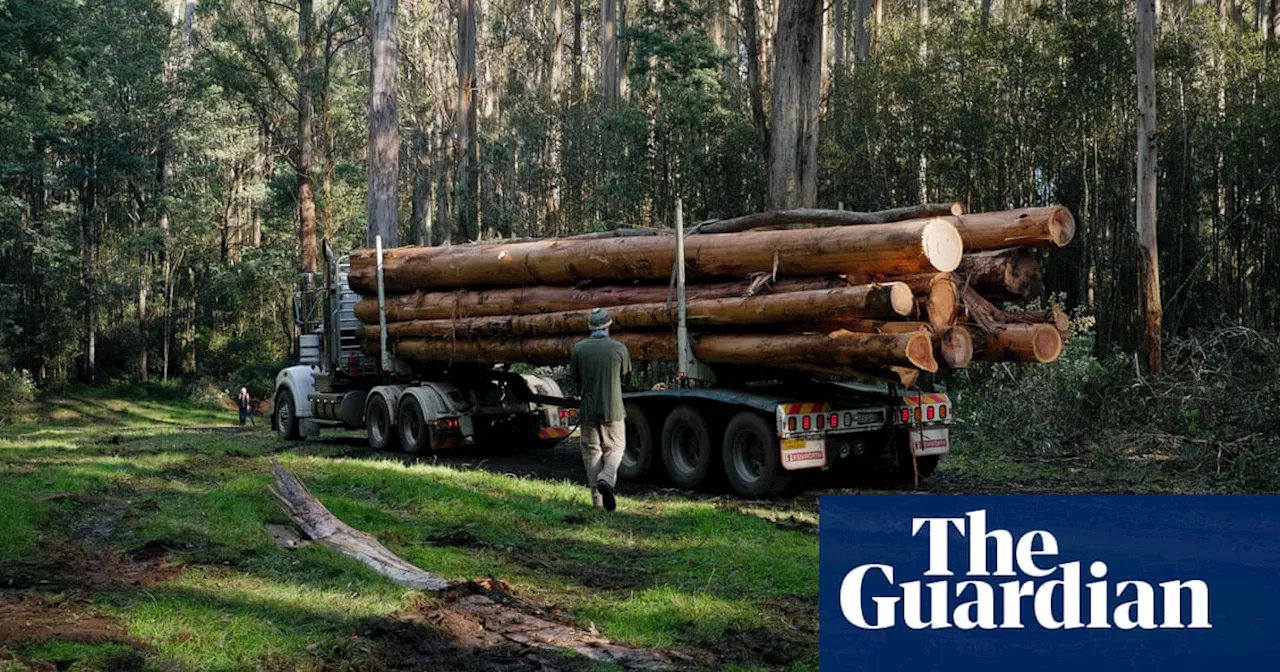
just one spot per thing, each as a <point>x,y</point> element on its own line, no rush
<point>446,423</point>
<point>929,413</point>
<point>808,422</point>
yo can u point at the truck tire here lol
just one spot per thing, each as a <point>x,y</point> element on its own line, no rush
<point>752,461</point>
<point>286,417</point>
<point>382,434</point>
<point>415,433</point>
<point>687,452</point>
<point>639,453</point>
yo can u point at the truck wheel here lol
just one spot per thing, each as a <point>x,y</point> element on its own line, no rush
<point>752,461</point>
<point>415,434</point>
<point>382,434</point>
<point>686,447</point>
<point>639,453</point>
<point>286,418</point>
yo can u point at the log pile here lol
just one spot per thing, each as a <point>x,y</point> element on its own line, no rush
<point>886,295</point>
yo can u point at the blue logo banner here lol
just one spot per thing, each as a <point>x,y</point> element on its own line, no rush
<point>1045,583</point>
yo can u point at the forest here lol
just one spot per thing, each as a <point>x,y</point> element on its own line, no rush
<point>167,167</point>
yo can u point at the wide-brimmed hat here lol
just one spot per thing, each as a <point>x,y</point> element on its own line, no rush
<point>599,319</point>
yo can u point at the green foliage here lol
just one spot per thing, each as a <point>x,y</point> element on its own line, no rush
<point>1210,418</point>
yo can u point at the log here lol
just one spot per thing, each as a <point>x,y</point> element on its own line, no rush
<point>839,349</point>
<point>806,217</point>
<point>952,344</point>
<point>327,530</point>
<point>1034,227</point>
<point>901,375</point>
<point>989,316</point>
<point>941,302</point>
<point>424,305</point>
<point>594,235</point>
<point>1003,275</point>
<point>869,301</point>
<point>910,247</point>
<point>1021,342</point>
<point>514,622</point>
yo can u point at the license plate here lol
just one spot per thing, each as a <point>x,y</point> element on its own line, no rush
<point>931,441</point>
<point>803,453</point>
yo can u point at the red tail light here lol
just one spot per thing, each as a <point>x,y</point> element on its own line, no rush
<point>929,412</point>
<point>906,415</point>
<point>835,420</point>
<point>351,366</point>
<point>807,423</point>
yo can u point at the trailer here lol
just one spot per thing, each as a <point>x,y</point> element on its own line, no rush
<point>758,431</point>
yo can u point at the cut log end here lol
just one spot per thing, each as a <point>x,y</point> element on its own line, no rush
<point>942,302</point>
<point>1062,226</point>
<point>1046,343</point>
<point>956,346</point>
<point>957,209</point>
<point>920,352</point>
<point>900,298</point>
<point>942,245</point>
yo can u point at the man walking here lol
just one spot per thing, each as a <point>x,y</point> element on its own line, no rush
<point>246,407</point>
<point>598,366</point>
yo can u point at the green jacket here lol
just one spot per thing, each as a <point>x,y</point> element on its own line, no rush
<point>597,366</point>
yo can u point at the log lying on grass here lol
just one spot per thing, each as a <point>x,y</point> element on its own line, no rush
<point>914,246</point>
<point>1003,275</point>
<point>506,618</point>
<point>868,301</point>
<point>426,305</point>
<point>804,217</point>
<point>839,349</point>
<point>327,530</point>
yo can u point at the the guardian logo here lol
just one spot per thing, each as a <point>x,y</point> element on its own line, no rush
<point>1012,584</point>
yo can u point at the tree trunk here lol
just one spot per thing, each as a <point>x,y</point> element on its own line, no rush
<point>609,52</point>
<point>384,133</point>
<point>1146,203</point>
<point>555,57</point>
<point>306,199</point>
<point>797,90</point>
<point>837,349</point>
<point>755,72</point>
<point>420,201</point>
<point>862,31</point>
<point>882,250</point>
<point>537,299</point>
<point>468,149</point>
<point>837,32</point>
<point>88,270</point>
<point>1003,275</point>
<point>891,300</point>
<point>805,217</point>
<point>576,63</point>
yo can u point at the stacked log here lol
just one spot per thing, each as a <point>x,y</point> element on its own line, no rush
<point>886,295</point>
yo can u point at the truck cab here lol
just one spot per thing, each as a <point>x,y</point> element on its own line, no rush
<point>337,384</point>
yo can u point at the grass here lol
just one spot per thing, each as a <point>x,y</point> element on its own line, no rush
<point>664,570</point>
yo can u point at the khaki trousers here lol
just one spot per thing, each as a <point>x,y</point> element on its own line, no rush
<point>602,448</point>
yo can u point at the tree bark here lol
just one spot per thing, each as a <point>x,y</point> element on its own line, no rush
<point>953,345</point>
<point>1018,342</point>
<point>1003,275</point>
<point>609,52</point>
<point>755,72</point>
<point>891,300</point>
<point>804,217</point>
<point>839,349</point>
<point>1149,258</point>
<point>384,132</point>
<point>883,250</point>
<point>862,31</point>
<point>555,57</point>
<point>577,48</point>
<point>306,199</point>
<point>1034,227</point>
<point>797,91</point>
<point>468,149</point>
<point>537,299</point>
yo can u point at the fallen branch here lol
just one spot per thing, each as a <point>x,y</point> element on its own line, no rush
<point>505,620</point>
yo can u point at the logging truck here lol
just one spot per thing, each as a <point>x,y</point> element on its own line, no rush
<point>760,431</point>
